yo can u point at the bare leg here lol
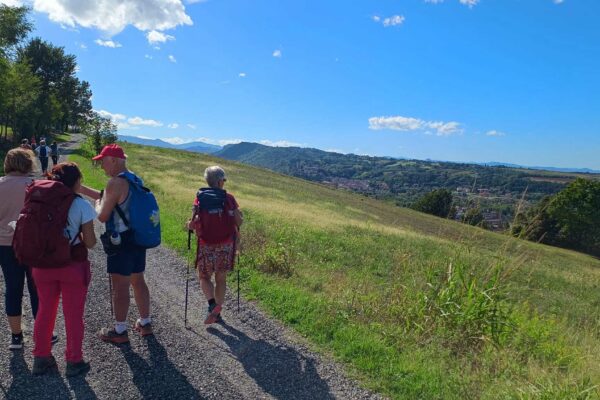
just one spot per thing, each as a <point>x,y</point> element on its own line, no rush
<point>141,294</point>
<point>221,283</point>
<point>120,296</point>
<point>207,287</point>
<point>15,324</point>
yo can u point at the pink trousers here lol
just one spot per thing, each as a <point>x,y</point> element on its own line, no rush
<point>72,283</point>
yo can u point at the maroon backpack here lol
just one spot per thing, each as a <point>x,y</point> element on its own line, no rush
<point>217,224</point>
<point>39,240</point>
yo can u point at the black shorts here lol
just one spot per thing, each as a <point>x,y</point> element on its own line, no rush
<point>131,259</point>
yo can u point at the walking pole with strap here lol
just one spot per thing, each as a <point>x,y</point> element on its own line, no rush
<point>187,276</point>
<point>110,297</point>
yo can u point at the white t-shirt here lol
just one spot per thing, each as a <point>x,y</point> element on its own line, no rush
<point>81,212</point>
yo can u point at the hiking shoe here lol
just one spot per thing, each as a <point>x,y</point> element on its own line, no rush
<point>41,365</point>
<point>77,368</point>
<point>110,335</point>
<point>16,341</point>
<point>144,330</point>
<point>213,314</point>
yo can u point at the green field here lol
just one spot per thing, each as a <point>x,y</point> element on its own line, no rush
<point>413,305</point>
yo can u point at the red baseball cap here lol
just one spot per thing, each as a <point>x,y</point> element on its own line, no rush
<point>111,150</point>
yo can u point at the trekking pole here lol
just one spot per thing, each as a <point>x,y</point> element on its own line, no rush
<point>238,279</point>
<point>110,297</point>
<point>187,276</point>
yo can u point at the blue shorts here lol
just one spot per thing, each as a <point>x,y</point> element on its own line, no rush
<point>131,259</point>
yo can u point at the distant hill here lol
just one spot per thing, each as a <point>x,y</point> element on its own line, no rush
<point>553,169</point>
<point>401,179</point>
<point>197,147</point>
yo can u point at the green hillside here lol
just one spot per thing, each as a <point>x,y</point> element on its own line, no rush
<point>413,305</point>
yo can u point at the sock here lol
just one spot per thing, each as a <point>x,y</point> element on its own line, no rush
<point>144,321</point>
<point>120,327</point>
<point>212,302</point>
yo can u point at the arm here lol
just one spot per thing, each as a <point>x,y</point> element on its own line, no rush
<point>89,192</point>
<point>116,189</point>
<point>237,215</point>
<point>88,235</point>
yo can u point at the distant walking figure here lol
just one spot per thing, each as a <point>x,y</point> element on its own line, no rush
<point>216,220</point>
<point>54,152</point>
<point>25,144</point>
<point>43,152</point>
<point>68,281</point>
<point>18,165</point>
<point>127,263</point>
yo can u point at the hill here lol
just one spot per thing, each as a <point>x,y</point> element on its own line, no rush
<point>416,306</point>
<point>196,147</point>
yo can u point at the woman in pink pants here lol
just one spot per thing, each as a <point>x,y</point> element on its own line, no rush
<point>69,281</point>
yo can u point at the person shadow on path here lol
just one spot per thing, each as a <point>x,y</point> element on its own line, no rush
<point>157,378</point>
<point>280,371</point>
<point>26,386</point>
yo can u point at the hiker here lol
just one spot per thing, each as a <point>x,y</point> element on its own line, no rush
<point>43,152</point>
<point>33,143</point>
<point>216,221</point>
<point>18,165</point>
<point>25,144</point>
<point>54,152</point>
<point>68,281</point>
<point>126,262</point>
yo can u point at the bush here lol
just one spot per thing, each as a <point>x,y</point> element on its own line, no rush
<point>437,202</point>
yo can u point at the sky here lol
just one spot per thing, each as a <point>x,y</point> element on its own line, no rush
<point>513,81</point>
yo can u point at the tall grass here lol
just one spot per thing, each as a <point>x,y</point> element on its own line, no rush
<point>415,306</point>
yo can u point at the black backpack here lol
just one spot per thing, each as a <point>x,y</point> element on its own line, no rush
<point>43,152</point>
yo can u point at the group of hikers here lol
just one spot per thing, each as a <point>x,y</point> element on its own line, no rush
<point>31,210</point>
<point>42,151</point>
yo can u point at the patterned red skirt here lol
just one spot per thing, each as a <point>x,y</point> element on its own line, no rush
<point>211,258</point>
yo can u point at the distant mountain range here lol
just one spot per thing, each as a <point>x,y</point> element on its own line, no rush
<point>196,147</point>
<point>553,169</point>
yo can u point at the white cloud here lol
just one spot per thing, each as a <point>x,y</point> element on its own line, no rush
<point>144,122</point>
<point>112,16</point>
<point>113,117</point>
<point>175,140</point>
<point>469,3</point>
<point>280,143</point>
<point>399,123</point>
<point>11,3</point>
<point>277,54</point>
<point>172,58</point>
<point>83,46</point>
<point>434,1</point>
<point>218,142</point>
<point>173,126</point>
<point>495,133</point>
<point>376,18</point>
<point>107,43</point>
<point>158,37</point>
<point>558,1</point>
<point>191,126</point>
<point>242,75</point>
<point>394,20</point>
<point>148,56</point>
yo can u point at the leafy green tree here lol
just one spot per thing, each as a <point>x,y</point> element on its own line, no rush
<point>437,202</point>
<point>14,27</point>
<point>474,217</point>
<point>100,131</point>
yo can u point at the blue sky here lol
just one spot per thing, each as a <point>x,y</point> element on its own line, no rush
<point>460,80</point>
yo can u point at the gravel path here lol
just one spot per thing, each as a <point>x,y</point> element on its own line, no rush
<point>248,357</point>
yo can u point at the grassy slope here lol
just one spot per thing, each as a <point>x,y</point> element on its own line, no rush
<point>418,307</point>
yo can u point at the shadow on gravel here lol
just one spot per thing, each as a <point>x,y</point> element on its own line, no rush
<point>280,371</point>
<point>157,378</point>
<point>26,386</point>
<point>80,388</point>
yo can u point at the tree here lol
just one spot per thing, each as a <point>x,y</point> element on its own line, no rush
<point>474,217</point>
<point>437,202</point>
<point>100,131</point>
<point>14,27</point>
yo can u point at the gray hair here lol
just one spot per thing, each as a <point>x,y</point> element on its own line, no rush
<point>213,175</point>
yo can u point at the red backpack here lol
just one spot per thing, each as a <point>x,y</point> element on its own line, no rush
<point>39,240</point>
<point>217,223</point>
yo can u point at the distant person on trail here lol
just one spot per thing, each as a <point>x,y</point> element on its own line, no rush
<point>18,165</point>
<point>33,142</point>
<point>54,152</point>
<point>216,220</point>
<point>43,152</point>
<point>25,144</point>
<point>126,265</point>
<point>68,281</point>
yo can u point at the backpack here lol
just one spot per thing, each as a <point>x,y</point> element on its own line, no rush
<point>144,216</point>
<point>54,149</point>
<point>43,152</point>
<point>39,239</point>
<point>217,224</point>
